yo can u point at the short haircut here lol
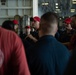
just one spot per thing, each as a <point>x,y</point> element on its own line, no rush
<point>47,21</point>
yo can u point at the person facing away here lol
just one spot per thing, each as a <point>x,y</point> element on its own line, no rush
<point>48,56</point>
<point>12,55</point>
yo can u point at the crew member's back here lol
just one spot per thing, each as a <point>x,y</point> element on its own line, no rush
<point>12,57</point>
<point>48,57</point>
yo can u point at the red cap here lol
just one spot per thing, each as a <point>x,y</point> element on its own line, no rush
<point>68,20</point>
<point>36,18</point>
<point>28,27</point>
<point>15,21</point>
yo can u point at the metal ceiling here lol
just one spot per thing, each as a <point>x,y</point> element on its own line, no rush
<point>64,6</point>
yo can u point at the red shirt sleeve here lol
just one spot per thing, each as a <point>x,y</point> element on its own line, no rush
<point>19,62</point>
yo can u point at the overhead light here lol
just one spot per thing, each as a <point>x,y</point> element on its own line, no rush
<point>72,10</point>
<point>57,9</point>
<point>56,3</point>
<point>45,4</point>
<point>56,6</point>
<point>74,2</point>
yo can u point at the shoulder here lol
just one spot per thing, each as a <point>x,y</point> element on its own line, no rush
<point>7,32</point>
<point>61,49</point>
<point>9,35</point>
<point>60,46</point>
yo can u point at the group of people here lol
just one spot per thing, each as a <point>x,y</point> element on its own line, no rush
<point>38,51</point>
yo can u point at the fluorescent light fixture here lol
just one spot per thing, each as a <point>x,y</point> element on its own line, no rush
<point>74,2</point>
<point>57,9</point>
<point>56,4</point>
<point>45,3</point>
<point>72,10</point>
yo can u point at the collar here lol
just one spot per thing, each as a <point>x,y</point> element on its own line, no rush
<point>47,37</point>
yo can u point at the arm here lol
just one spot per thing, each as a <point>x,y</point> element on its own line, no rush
<point>32,38</point>
<point>19,61</point>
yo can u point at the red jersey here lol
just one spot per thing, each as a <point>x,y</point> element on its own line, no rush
<point>12,56</point>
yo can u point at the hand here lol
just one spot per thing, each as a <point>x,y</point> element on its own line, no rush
<point>31,37</point>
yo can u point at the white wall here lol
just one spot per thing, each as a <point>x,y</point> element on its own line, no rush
<point>35,8</point>
<point>9,10</point>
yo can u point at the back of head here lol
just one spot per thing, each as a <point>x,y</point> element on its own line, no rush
<point>48,23</point>
<point>8,25</point>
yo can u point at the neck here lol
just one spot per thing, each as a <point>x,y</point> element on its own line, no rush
<point>40,35</point>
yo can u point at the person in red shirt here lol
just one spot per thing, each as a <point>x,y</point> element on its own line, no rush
<point>12,56</point>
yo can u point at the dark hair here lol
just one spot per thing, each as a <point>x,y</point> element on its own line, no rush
<point>8,25</point>
<point>50,17</point>
<point>31,19</point>
<point>47,20</point>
